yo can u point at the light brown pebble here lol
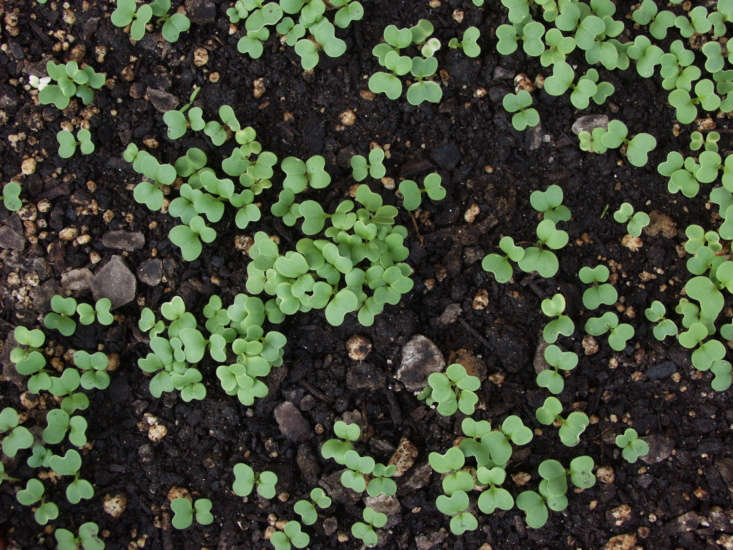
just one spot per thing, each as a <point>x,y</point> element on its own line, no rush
<point>200,57</point>
<point>115,505</point>
<point>347,118</point>
<point>28,166</point>
<point>358,347</point>
<point>258,88</point>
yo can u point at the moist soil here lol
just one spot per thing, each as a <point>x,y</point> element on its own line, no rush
<point>678,497</point>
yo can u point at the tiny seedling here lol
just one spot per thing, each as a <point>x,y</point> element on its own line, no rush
<point>68,143</point>
<point>70,81</point>
<point>184,512</point>
<point>631,446</point>
<point>364,530</point>
<point>245,480</point>
<point>524,115</point>
<point>499,264</point>
<point>558,360</point>
<point>663,327</point>
<point>560,324</point>
<point>34,493</point>
<point>613,137</point>
<point>635,221</point>
<point>17,437</point>
<point>601,292</point>
<point>549,203</point>
<point>306,508</point>
<point>292,535</point>
<point>618,333</point>
<point>128,13</point>
<point>337,448</point>
<point>87,538</point>
<point>60,317</point>
<point>374,167</point>
<point>570,428</point>
<point>538,258</point>
<point>469,42</point>
<point>412,193</point>
<point>453,390</point>
<point>11,196</point>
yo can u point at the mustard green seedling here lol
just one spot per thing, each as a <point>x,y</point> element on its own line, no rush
<point>87,538</point>
<point>412,193</point>
<point>184,512</point>
<point>560,324</point>
<point>128,13</point>
<point>11,196</point>
<point>452,391</point>
<point>16,437</point>
<point>499,264</point>
<point>601,292</point>
<point>68,143</point>
<point>469,42</point>
<point>364,530</point>
<point>632,448</point>
<point>570,428</point>
<point>538,258</point>
<point>524,116</point>
<point>70,81</point>
<point>618,333</point>
<point>558,360</point>
<point>374,167</point>
<point>245,480</point>
<point>663,327</point>
<point>34,494</point>
<point>306,508</point>
<point>549,203</point>
<point>291,536</point>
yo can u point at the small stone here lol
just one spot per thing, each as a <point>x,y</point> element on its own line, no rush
<point>481,299</point>
<point>28,166</point>
<point>114,281</point>
<point>201,11</point>
<point>258,88</point>
<point>605,475</point>
<point>588,123</point>
<point>162,101</point>
<point>450,314</point>
<point>358,347</point>
<point>68,233</point>
<point>364,376</point>
<point>458,15</point>
<point>621,542</point>
<point>420,358</point>
<point>347,118</point>
<point>403,457</point>
<point>661,370</point>
<point>446,155</point>
<point>386,504</point>
<point>590,345</point>
<point>123,240</point>
<point>178,492</point>
<point>150,272</point>
<point>523,82</point>
<point>368,95</point>
<point>114,505</point>
<point>10,239</point>
<point>473,365</point>
<point>419,477</point>
<point>660,448</point>
<point>660,223</point>
<point>77,279</point>
<point>471,212</point>
<point>621,514</point>
<point>291,422</point>
<point>502,73</point>
<point>632,243</point>
<point>200,57</point>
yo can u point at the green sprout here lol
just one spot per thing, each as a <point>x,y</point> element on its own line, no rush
<point>581,472</point>
<point>530,34</point>
<point>558,360</point>
<point>291,535</point>
<point>337,448</point>
<point>28,358</point>
<point>686,105</point>
<point>364,530</point>
<point>558,47</point>
<point>499,264</point>
<point>663,327</point>
<point>570,428</point>
<point>524,115</point>
<point>70,81</point>
<point>549,203</point>
<point>189,237</point>
<point>18,437</point>
<point>631,446</point>
<point>646,55</point>
<point>87,538</point>
<point>635,221</point>
<point>34,493</point>
<point>127,13</point>
<point>94,366</point>
<point>148,192</point>
<point>538,258</point>
<point>60,318</point>
<point>469,42</point>
<point>358,467</point>
<point>374,167</point>
<point>494,496</point>
<point>11,196</point>
<point>560,324</point>
<point>245,480</point>
<point>601,292</point>
<point>184,511</point>
<point>453,390</point>
<point>301,175</point>
<point>602,139</point>
<point>534,508</point>
<point>306,508</point>
<point>68,143</point>
<point>178,121</point>
<point>412,193</point>
<point>456,506</point>
<point>618,333</point>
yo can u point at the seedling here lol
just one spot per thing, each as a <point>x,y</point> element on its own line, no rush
<point>127,13</point>
<point>78,490</point>
<point>374,167</point>
<point>183,512</point>
<point>686,105</point>
<point>301,175</point>
<point>148,192</point>
<point>558,47</point>
<point>11,196</point>
<point>493,447</point>
<point>560,324</point>
<point>412,193</point>
<point>178,121</point>
<point>68,143</point>
<point>381,482</point>
<point>70,81</point>
<point>469,42</point>
<point>601,139</point>
<point>663,327</point>
<point>549,203</point>
<point>708,142</point>
<point>631,446</point>
<point>453,390</point>
<point>530,34</point>
<point>189,237</point>
<point>60,318</point>
<point>245,480</point>
<point>494,496</point>
<point>290,536</point>
<point>18,437</point>
<point>94,366</point>
<point>364,530</point>
<point>34,493</point>
<point>570,428</point>
<point>554,485</point>
<point>456,506</point>
<point>499,264</point>
<point>534,508</point>
<point>59,423</point>
<point>646,55</point>
<point>538,258</point>
<point>87,538</point>
<point>601,292</point>
<point>559,360</point>
<point>524,116</point>
<point>306,509</point>
<point>337,448</point>
<point>581,472</point>
<point>28,358</point>
<point>358,467</point>
<point>618,333</point>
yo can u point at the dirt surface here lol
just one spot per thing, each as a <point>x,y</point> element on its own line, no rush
<point>679,500</point>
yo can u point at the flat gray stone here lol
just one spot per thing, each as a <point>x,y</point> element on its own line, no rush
<point>10,239</point>
<point>150,272</point>
<point>291,422</point>
<point>77,279</point>
<point>660,448</point>
<point>116,282</point>
<point>161,100</point>
<point>123,240</point>
<point>420,358</point>
<point>588,123</point>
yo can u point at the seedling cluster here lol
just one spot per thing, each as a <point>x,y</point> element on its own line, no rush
<point>137,17</point>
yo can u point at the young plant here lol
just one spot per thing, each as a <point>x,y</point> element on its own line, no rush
<point>499,264</point>
<point>558,360</point>
<point>601,292</point>
<point>365,530</point>
<point>11,196</point>
<point>374,167</point>
<point>618,333</point>
<point>412,193</point>
<point>28,357</point>
<point>68,143</point>
<point>469,42</point>
<point>184,512</point>
<point>453,390</point>
<point>94,367</point>
<point>291,535</point>
<point>302,175</point>
<point>149,192</point>
<point>87,538</point>
<point>631,446</point>
<point>494,496</point>
<point>549,203</point>
<point>534,508</point>
<point>128,13</point>
<point>17,437</point>
<point>538,258</point>
<point>306,508</point>
<point>602,139</point>
<point>245,480</point>
<point>34,494</point>
<point>179,121</point>
<point>60,318</point>
<point>70,81</point>
<point>524,116</point>
<point>635,221</point>
<point>570,428</point>
<point>686,105</point>
<point>346,434</point>
<point>560,324</point>
<point>663,327</point>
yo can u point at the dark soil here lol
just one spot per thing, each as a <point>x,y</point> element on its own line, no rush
<point>673,502</point>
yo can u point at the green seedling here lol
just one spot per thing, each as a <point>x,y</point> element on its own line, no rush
<point>364,530</point>
<point>558,360</point>
<point>28,358</point>
<point>493,447</point>
<point>538,258</point>
<point>558,47</point>
<point>549,203</point>
<point>635,221</point>
<point>301,175</point>
<point>128,13</point>
<point>456,507</point>
<point>346,434</point>
<point>469,42</point>
<point>534,508</point>
<point>87,538</point>
<point>494,496</point>
<point>78,490</point>
<point>70,81</point>
<point>245,480</point>
<point>306,509</point>
<point>524,115</point>
<point>148,192</point>
<point>358,467</point>
<point>291,536</point>
<point>631,446</point>
<point>94,366</point>
<point>499,264</point>
<point>189,237</point>
<point>100,312</point>
<point>676,68</point>
<point>560,324</point>
<point>581,472</point>
<point>570,428</point>
<point>588,87</point>
<point>708,142</point>
<point>663,327</point>
<point>601,139</point>
<point>34,493</point>
<point>453,390</point>
<point>17,437</point>
<point>178,121</point>
<point>374,167</point>
<point>601,292</point>
<point>618,333</point>
<point>184,512</point>
<point>60,318</point>
<point>554,485</point>
<point>68,143</point>
<point>685,105</point>
<point>530,35</point>
<point>381,482</point>
<point>646,55</point>
<point>412,193</point>
<point>11,196</point>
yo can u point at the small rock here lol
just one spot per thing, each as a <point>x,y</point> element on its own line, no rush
<point>330,525</point>
<point>358,347</point>
<point>687,522</point>
<point>123,240</point>
<point>348,117</point>
<point>178,492</point>
<point>590,345</point>
<point>621,514</point>
<point>426,542</point>
<point>161,100</point>
<point>307,463</point>
<point>258,88</point>
<point>605,475</point>
<point>291,422</point>
<point>420,358</point>
<point>114,505</point>
<point>446,155</point>
<point>201,11</point>
<point>10,239</point>
<point>364,376</point>
<point>661,370</point>
<point>404,457</point>
<point>588,123</point>
<point>150,272</point>
<point>419,477</point>
<point>501,72</point>
<point>114,281</point>
<point>660,223</point>
<point>450,315</point>
<point>535,138</point>
<point>385,504</point>
<point>621,542</point>
<point>539,362</point>
<point>660,448</point>
<point>77,279</point>
<point>725,469</point>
